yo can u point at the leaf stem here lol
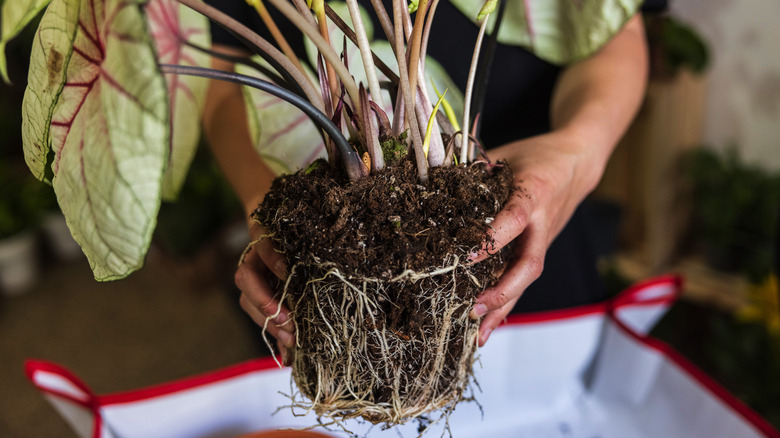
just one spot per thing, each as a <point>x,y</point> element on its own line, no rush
<point>262,11</point>
<point>335,19</point>
<point>408,95</point>
<point>260,46</point>
<point>351,161</point>
<point>414,43</point>
<point>366,54</point>
<point>272,75</point>
<point>464,147</point>
<point>327,51</point>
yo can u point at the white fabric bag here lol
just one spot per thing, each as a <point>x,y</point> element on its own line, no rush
<point>588,372</point>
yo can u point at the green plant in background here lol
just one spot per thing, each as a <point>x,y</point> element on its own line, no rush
<point>674,45</point>
<point>735,206</point>
<point>23,201</point>
<point>205,205</point>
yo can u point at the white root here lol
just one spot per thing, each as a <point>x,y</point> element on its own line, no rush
<point>351,361</point>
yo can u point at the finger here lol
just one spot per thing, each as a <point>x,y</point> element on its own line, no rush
<point>259,294</point>
<point>493,319</point>
<point>516,279</point>
<point>284,337</point>
<point>509,223</point>
<point>264,247</point>
<point>286,357</point>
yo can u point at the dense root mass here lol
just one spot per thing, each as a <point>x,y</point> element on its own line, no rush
<point>380,287</point>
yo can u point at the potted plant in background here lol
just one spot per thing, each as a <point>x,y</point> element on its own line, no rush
<point>735,205</point>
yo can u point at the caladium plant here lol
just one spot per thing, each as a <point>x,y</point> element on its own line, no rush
<point>112,123</point>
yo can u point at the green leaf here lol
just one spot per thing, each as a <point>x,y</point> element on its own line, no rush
<point>15,15</point>
<point>558,31</point>
<point>94,77</point>
<point>171,24</point>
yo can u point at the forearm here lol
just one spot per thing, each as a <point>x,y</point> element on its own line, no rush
<point>225,127</point>
<point>596,99</point>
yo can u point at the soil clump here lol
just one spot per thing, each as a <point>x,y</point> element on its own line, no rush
<point>380,283</point>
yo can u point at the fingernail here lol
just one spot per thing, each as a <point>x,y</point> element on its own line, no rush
<point>280,269</point>
<point>478,310</point>
<point>484,337</point>
<point>286,338</point>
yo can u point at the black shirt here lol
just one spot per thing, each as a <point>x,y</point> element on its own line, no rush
<point>517,106</point>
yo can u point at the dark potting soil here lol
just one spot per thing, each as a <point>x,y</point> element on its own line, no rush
<point>383,225</point>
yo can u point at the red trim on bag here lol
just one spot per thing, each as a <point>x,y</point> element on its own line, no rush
<point>188,383</point>
<point>555,315</point>
<point>97,426</point>
<point>629,297</point>
<point>717,391</point>
<point>91,403</point>
<point>33,366</point>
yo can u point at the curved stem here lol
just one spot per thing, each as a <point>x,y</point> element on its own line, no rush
<point>352,163</point>
<point>260,46</point>
<point>272,75</point>
<point>262,11</point>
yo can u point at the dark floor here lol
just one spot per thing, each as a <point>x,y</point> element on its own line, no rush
<point>153,327</point>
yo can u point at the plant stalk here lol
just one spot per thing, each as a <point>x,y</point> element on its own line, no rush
<point>414,43</point>
<point>260,46</point>
<point>327,51</point>
<point>262,11</point>
<point>366,54</point>
<point>464,147</point>
<point>371,131</point>
<point>271,75</point>
<point>335,19</point>
<point>352,163</point>
<point>408,95</point>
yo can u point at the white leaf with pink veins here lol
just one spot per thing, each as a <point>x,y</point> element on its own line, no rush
<point>96,118</point>
<point>171,24</point>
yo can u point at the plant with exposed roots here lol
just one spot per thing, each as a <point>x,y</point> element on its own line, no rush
<point>380,286</point>
<point>384,346</point>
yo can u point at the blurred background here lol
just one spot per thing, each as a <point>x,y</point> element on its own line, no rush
<point>694,188</point>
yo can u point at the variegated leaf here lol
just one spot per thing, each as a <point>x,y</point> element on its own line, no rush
<point>172,24</point>
<point>559,31</point>
<point>94,80</point>
<point>283,135</point>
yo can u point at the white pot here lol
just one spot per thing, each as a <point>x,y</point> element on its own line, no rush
<point>18,263</point>
<point>59,239</point>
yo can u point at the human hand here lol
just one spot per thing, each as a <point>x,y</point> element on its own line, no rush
<point>257,295</point>
<point>552,174</point>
